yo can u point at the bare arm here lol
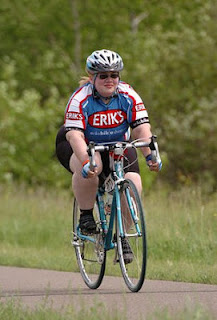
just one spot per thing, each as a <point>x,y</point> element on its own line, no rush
<point>78,144</point>
<point>143,131</point>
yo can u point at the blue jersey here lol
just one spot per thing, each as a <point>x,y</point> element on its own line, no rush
<point>103,122</point>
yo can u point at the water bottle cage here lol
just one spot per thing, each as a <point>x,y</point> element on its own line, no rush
<point>109,184</point>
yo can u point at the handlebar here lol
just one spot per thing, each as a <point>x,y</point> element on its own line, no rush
<point>124,145</point>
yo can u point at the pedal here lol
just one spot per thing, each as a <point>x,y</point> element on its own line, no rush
<point>76,244</point>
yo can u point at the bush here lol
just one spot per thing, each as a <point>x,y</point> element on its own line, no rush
<point>27,134</point>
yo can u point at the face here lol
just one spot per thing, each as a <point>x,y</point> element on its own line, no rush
<point>106,83</point>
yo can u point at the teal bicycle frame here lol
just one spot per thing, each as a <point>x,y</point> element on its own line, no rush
<point>118,177</point>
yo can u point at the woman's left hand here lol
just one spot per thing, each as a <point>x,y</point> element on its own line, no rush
<point>153,166</point>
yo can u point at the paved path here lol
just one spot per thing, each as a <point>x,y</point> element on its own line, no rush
<point>64,288</point>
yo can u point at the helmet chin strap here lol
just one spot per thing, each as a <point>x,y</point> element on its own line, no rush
<point>97,95</point>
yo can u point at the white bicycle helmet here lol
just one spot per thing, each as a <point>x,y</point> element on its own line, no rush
<point>104,60</point>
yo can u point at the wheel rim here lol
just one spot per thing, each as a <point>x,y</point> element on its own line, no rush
<point>133,272</point>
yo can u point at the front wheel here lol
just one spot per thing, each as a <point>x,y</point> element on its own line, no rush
<point>132,248</point>
<point>89,249</point>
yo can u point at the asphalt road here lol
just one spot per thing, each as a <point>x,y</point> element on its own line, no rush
<point>67,288</point>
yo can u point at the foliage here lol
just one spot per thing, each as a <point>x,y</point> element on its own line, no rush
<point>169,51</point>
<point>28,133</point>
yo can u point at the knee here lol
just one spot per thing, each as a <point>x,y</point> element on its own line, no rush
<point>136,179</point>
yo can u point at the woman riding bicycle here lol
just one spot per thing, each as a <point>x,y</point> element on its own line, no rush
<point>103,109</point>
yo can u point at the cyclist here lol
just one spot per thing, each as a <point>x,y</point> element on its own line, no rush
<point>103,109</point>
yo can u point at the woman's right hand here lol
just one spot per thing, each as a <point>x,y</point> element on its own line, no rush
<point>86,171</point>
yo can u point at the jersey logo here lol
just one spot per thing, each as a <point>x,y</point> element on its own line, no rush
<point>109,118</point>
<point>74,116</point>
<point>139,107</point>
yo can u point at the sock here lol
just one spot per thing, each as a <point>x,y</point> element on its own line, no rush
<point>88,212</point>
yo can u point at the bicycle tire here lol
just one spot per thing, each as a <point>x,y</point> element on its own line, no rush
<point>133,272</point>
<point>91,256</point>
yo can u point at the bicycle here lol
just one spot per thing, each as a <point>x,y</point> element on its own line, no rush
<point>112,225</point>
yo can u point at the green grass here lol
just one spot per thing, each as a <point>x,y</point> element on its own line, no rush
<point>197,313</point>
<point>13,309</point>
<point>181,230</point>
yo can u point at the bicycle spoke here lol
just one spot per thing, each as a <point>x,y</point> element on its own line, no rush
<point>90,253</point>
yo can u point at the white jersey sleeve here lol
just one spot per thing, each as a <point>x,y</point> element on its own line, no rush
<point>137,110</point>
<point>74,115</point>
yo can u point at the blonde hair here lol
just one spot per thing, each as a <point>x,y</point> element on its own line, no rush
<point>85,79</point>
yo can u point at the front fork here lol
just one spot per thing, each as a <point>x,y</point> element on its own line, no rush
<point>123,185</point>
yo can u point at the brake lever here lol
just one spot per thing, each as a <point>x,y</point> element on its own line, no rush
<point>154,149</point>
<point>91,153</point>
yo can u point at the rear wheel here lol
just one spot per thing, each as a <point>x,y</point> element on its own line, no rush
<point>89,249</point>
<point>133,265</point>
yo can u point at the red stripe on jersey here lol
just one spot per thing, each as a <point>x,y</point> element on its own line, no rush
<point>80,107</point>
<point>74,94</point>
<point>134,103</point>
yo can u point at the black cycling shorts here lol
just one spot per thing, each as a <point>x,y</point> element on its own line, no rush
<point>64,152</point>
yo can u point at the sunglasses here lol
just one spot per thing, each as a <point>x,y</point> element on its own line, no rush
<point>112,75</point>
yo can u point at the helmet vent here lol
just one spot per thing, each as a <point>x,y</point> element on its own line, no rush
<point>101,55</point>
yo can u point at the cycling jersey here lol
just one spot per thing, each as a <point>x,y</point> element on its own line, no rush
<point>103,122</point>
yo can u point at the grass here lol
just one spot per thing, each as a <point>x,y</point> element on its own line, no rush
<point>181,229</point>
<point>198,313</point>
<point>14,310</point>
<point>182,238</point>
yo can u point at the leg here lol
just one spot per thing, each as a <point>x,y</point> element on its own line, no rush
<point>135,177</point>
<point>63,148</point>
<point>84,189</point>
<point>132,172</point>
<point>85,193</point>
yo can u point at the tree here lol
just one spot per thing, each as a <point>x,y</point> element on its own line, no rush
<point>168,50</point>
